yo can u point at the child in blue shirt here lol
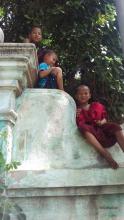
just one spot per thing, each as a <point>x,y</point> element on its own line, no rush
<point>50,76</point>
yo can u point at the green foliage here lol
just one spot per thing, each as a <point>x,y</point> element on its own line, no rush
<point>2,161</point>
<point>1,12</point>
<point>12,166</point>
<point>85,35</point>
<point>7,208</point>
<point>5,167</point>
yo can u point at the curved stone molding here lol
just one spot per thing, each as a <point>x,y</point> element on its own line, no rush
<point>18,62</point>
<point>18,71</point>
<point>45,135</point>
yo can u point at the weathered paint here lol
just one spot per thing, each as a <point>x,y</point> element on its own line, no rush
<point>46,136</point>
<point>60,177</point>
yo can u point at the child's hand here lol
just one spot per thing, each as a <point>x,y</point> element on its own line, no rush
<point>78,111</point>
<point>101,122</point>
<point>53,68</point>
<point>56,70</point>
<point>114,165</point>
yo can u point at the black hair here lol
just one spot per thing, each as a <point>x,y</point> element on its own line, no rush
<point>32,27</point>
<point>82,85</point>
<point>49,51</point>
<point>77,89</point>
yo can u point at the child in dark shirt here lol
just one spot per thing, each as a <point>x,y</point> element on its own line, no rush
<point>92,123</point>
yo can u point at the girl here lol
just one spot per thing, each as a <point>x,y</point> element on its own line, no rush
<point>92,123</point>
<point>50,76</point>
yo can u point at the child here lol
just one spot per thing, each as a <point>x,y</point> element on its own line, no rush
<point>92,122</point>
<point>49,75</point>
<point>35,37</point>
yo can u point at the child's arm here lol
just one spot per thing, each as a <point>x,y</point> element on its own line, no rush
<point>78,111</point>
<point>44,70</point>
<point>100,113</point>
<point>44,73</point>
<point>80,119</point>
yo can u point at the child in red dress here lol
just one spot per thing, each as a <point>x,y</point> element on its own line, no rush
<point>92,123</point>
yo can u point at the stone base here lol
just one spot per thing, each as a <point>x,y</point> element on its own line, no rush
<point>68,194</point>
<point>61,177</point>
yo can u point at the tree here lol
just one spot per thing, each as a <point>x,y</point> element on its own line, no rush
<point>85,35</point>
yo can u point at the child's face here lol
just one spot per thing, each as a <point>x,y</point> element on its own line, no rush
<point>50,59</point>
<point>35,36</point>
<point>83,95</point>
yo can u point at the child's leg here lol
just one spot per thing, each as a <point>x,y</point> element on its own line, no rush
<point>93,141</point>
<point>58,73</point>
<point>120,138</point>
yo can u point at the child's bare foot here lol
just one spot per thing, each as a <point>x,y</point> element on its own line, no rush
<point>113,164</point>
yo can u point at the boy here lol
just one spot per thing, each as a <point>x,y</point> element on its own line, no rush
<point>35,37</point>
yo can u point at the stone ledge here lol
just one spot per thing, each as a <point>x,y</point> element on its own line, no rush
<point>15,68</point>
<point>64,191</point>
<point>19,61</point>
<point>65,178</point>
<point>17,49</point>
<point>10,85</point>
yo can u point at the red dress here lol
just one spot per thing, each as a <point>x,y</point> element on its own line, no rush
<point>105,133</point>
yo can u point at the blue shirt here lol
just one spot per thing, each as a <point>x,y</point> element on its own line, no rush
<point>48,81</point>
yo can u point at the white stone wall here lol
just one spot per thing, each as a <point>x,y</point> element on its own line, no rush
<point>1,36</point>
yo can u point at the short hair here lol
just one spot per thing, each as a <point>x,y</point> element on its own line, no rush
<point>80,86</point>
<point>49,52</point>
<point>32,27</point>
